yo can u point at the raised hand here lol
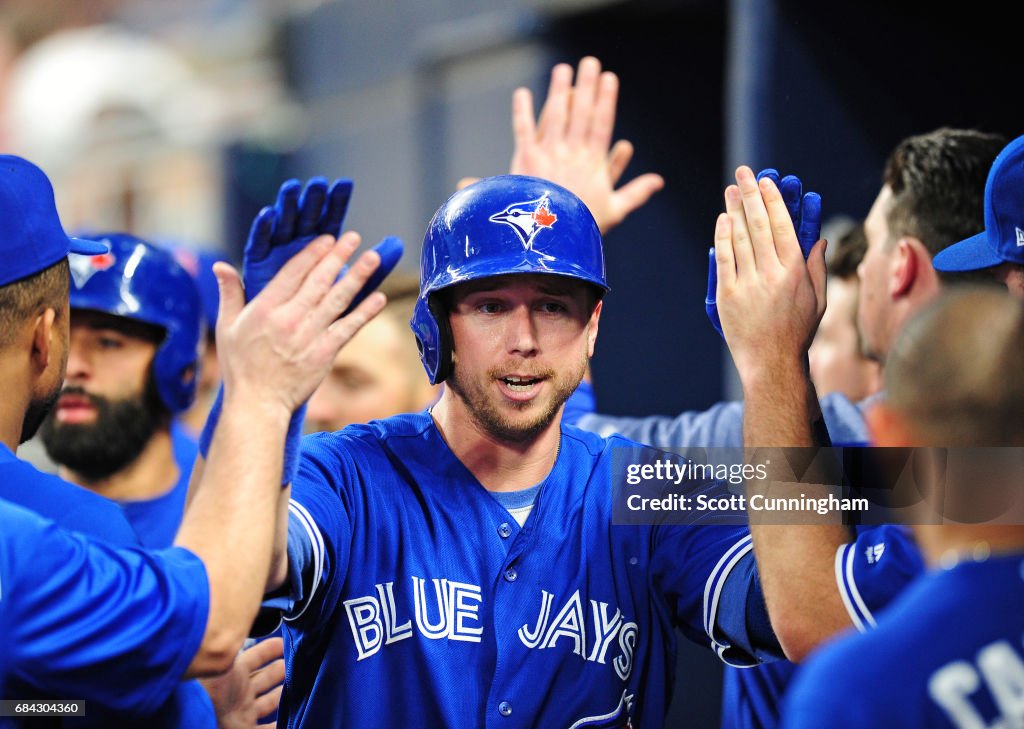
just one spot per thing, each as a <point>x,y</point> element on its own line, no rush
<point>805,212</point>
<point>280,231</point>
<point>279,346</point>
<point>769,297</point>
<point>571,143</point>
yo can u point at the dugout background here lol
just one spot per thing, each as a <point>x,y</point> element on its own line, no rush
<point>407,96</point>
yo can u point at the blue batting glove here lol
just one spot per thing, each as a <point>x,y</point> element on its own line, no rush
<point>710,303</point>
<point>277,234</point>
<point>281,231</point>
<point>805,212</point>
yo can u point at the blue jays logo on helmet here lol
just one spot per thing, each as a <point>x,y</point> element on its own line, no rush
<point>539,228</point>
<point>83,267</point>
<point>137,280</point>
<point>527,218</point>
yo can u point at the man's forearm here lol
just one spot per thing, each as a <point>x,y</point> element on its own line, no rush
<point>231,524</point>
<point>795,561</point>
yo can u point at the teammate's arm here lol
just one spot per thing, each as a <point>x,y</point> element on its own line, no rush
<point>770,302</point>
<point>274,352</point>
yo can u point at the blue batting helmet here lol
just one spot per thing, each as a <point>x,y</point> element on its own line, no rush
<point>497,226</point>
<point>140,281</point>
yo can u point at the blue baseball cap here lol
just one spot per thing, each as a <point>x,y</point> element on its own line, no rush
<point>31,236</point>
<point>1002,241</point>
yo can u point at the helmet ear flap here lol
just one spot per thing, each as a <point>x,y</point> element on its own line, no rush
<point>444,338</point>
<point>430,325</point>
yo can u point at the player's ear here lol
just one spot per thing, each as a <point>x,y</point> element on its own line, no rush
<point>906,266</point>
<point>44,333</point>
<point>888,427</point>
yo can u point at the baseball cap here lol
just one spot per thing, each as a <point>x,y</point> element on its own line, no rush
<point>31,236</point>
<point>1002,241</point>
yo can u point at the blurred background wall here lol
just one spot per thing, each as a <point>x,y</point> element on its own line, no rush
<point>179,120</point>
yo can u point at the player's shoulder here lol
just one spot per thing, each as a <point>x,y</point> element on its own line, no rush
<point>374,432</point>
<point>70,506</point>
<point>595,443</point>
<point>361,441</point>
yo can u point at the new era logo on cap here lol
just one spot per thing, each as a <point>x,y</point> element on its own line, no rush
<point>1020,238</point>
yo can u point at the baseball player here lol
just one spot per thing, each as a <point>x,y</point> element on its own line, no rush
<point>948,652</point>
<point>120,627</point>
<point>132,367</point>
<point>459,566</point>
<point>866,582</point>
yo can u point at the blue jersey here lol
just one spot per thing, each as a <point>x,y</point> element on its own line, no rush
<point>948,653</point>
<point>866,582</point>
<point>88,513</point>
<point>85,620</point>
<point>70,506</point>
<point>720,426</point>
<point>416,598</point>
<point>156,521</point>
<point>870,573</point>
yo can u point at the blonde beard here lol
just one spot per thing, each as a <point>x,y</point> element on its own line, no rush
<point>498,425</point>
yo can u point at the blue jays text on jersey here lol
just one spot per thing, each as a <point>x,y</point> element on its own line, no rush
<point>410,581</point>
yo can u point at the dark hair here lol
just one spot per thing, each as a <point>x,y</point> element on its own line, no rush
<point>938,185</point>
<point>31,295</point>
<point>849,252</point>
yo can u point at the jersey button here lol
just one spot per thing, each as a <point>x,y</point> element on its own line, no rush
<point>511,574</point>
<point>505,708</point>
<point>504,530</point>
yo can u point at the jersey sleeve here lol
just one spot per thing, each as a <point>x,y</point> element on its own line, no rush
<point>87,620</point>
<point>874,569</point>
<point>319,533</point>
<point>693,565</point>
<point>844,420</point>
<point>719,426</point>
<point>824,694</point>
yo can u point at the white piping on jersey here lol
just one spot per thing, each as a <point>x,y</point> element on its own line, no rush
<point>716,581</point>
<point>614,713</point>
<point>316,540</point>
<point>859,613</point>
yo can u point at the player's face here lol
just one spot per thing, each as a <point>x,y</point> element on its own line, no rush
<point>837,363</point>
<point>874,275</point>
<point>376,375</point>
<point>521,346</point>
<point>107,409</point>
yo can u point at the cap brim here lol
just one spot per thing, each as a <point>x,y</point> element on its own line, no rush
<point>88,247</point>
<point>969,254</point>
